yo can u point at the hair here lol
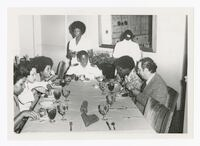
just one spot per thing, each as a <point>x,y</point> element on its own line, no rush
<point>81,53</point>
<point>128,35</point>
<point>149,64</point>
<point>125,62</point>
<point>77,24</point>
<point>41,62</point>
<point>22,70</point>
<point>108,70</point>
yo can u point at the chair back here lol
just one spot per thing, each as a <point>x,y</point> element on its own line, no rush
<point>61,68</point>
<point>171,99</point>
<point>158,116</point>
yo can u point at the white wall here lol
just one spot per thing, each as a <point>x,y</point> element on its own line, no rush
<point>29,35</point>
<point>26,35</point>
<point>53,37</point>
<point>170,48</point>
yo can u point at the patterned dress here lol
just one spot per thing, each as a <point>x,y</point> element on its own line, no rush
<point>133,81</point>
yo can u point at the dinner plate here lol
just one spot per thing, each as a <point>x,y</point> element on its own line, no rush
<point>46,103</point>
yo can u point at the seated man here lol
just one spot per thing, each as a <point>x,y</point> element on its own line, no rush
<point>84,67</point>
<point>126,73</point>
<point>154,86</point>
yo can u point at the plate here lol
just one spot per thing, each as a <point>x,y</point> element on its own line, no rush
<point>46,103</point>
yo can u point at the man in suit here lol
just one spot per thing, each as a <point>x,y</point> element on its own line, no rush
<point>154,86</point>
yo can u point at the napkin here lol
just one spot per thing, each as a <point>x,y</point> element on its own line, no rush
<point>89,119</point>
<point>25,99</point>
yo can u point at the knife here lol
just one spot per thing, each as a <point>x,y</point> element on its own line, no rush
<point>108,125</point>
<point>70,124</point>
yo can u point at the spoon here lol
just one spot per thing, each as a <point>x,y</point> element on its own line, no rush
<point>70,124</point>
<point>113,124</point>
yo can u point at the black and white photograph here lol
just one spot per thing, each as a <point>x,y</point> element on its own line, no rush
<point>100,70</point>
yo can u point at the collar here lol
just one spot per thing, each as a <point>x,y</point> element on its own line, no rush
<point>150,78</point>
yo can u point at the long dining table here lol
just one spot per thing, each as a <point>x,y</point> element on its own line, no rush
<point>123,113</point>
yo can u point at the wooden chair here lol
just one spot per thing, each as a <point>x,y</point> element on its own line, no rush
<point>61,69</point>
<point>158,116</point>
<point>171,99</point>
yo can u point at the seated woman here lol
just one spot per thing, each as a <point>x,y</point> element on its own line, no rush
<point>27,97</point>
<point>19,85</point>
<point>108,71</point>
<point>126,73</point>
<point>84,67</point>
<point>43,66</point>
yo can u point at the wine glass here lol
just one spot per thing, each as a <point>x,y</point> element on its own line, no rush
<point>63,82</point>
<point>110,99</point>
<point>103,110</point>
<point>111,86</point>
<point>68,79</point>
<point>57,94</point>
<point>51,114</point>
<point>66,93</point>
<point>62,108</point>
<point>102,87</point>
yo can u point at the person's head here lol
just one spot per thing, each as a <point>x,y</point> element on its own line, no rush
<point>43,66</point>
<point>127,35</point>
<point>108,70</point>
<point>77,28</point>
<point>33,75</point>
<point>20,74</point>
<point>146,67</point>
<point>83,58</point>
<point>124,65</point>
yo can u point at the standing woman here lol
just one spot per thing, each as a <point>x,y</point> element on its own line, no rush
<point>79,41</point>
<point>127,47</point>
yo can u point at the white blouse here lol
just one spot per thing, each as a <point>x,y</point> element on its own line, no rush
<point>127,47</point>
<point>83,44</point>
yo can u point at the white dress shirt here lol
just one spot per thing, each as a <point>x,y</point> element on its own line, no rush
<point>89,71</point>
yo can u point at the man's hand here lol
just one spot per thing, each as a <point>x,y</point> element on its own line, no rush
<point>134,92</point>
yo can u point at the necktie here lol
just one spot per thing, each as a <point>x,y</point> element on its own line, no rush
<point>143,86</point>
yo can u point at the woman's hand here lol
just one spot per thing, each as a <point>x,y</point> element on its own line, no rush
<point>31,114</point>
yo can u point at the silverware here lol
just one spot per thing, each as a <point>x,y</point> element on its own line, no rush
<point>108,125</point>
<point>128,117</point>
<point>70,124</point>
<point>113,124</point>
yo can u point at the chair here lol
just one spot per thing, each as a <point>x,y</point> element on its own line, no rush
<point>61,68</point>
<point>158,116</point>
<point>171,99</point>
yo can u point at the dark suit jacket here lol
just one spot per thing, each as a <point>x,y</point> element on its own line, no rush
<point>156,89</point>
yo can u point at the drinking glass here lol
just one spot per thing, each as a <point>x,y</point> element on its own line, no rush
<point>103,110</point>
<point>51,114</point>
<point>110,99</point>
<point>65,93</point>
<point>62,109</point>
<point>57,94</point>
<point>63,82</point>
<point>111,86</point>
<point>102,87</point>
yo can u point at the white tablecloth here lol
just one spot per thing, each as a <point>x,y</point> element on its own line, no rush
<point>125,119</point>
